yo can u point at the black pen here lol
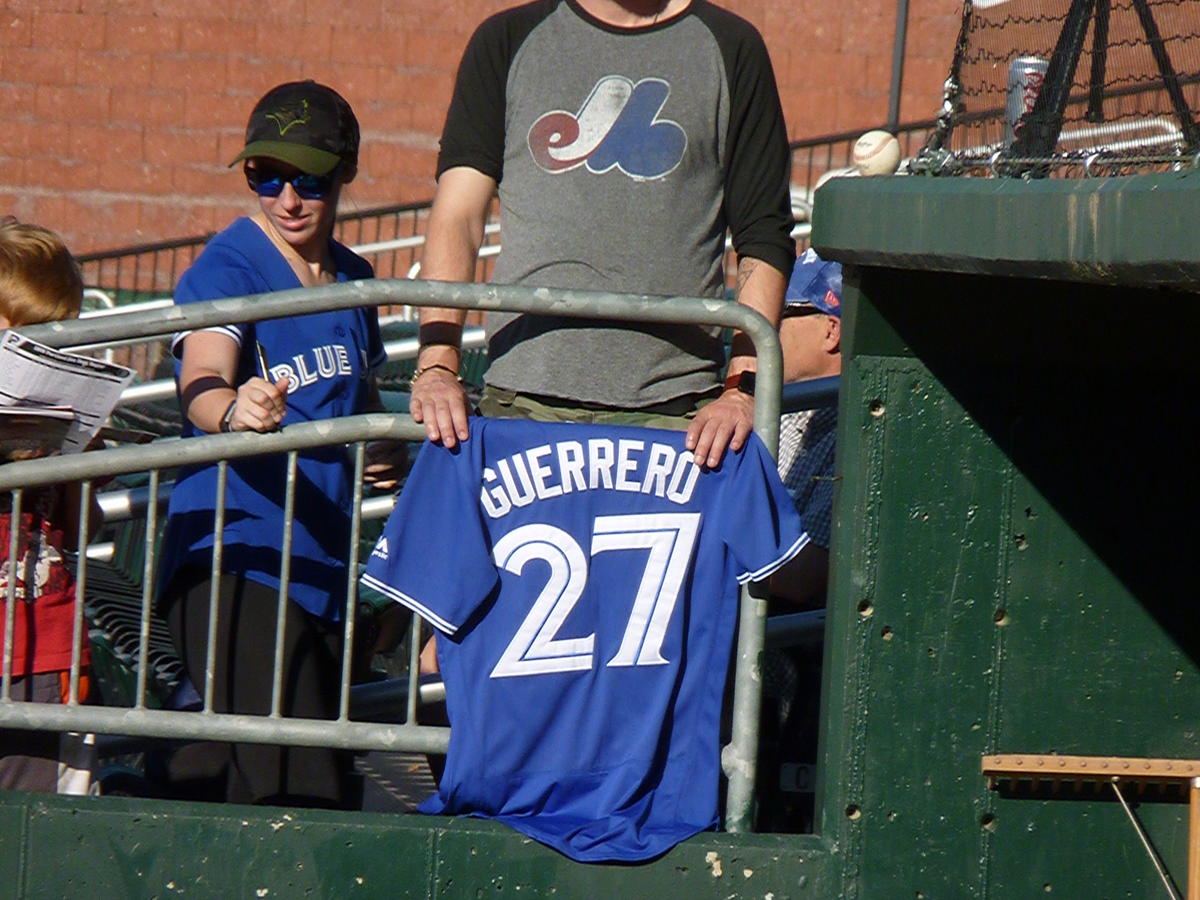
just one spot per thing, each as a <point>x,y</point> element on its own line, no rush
<point>263,369</point>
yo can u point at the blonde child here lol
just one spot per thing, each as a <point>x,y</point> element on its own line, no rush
<point>40,282</point>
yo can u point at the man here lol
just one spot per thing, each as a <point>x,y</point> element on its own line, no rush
<point>624,138</point>
<point>811,335</point>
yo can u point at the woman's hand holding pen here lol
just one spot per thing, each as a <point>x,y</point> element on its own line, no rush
<point>260,405</point>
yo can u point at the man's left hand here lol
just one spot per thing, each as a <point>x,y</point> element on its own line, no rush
<point>724,423</point>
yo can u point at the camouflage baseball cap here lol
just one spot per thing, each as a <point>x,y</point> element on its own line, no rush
<point>304,124</point>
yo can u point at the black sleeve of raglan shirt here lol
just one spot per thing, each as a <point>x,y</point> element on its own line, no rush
<point>474,132</point>
<point>758,160</point>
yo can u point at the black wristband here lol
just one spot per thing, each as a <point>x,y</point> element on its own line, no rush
<point>199,386</point>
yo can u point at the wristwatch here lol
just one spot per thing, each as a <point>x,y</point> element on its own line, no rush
<point>227,419</point>
<point>745,383</point>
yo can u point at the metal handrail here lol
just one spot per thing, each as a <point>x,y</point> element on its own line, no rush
<point>739,757</point>
<point>395,351</point>
<point>453,295</point>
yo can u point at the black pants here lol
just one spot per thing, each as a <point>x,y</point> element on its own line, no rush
<point>244,672</point>
<point>45,761</point>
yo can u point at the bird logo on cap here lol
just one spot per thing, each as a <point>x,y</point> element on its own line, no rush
<point>286,118</point>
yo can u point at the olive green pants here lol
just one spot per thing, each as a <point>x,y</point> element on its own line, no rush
<point>674,415</point>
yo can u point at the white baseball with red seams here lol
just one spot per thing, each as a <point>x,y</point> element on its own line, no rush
<point>876,153</point>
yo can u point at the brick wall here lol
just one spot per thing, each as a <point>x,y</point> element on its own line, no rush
<point>121,115</point>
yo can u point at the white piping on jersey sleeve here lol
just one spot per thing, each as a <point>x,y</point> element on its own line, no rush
<point>230,331</point>
<point>415,605</point>
<point>759,574</point>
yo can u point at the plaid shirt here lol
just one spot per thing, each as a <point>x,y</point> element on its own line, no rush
<point>806,456</point>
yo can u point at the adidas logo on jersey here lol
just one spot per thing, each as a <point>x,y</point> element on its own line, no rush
<point>381,549</point>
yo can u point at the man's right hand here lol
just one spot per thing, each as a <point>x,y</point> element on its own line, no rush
<point>439,402</point>
<point>453,236</point>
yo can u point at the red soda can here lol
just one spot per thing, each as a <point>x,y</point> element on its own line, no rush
<point>1026,74</point>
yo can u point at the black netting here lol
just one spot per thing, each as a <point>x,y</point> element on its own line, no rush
<point>1053,84</point>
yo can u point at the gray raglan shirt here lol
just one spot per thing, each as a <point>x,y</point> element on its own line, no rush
<point>622,157</point>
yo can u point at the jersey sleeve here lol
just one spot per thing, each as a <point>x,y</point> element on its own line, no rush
<point>216,273</point>
<point>433,555</point>
<point>757,157</point>
<point>474,132</point>
<point>757,517</point>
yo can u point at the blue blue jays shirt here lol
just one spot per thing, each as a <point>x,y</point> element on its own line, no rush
<point>328,358</point>
<point>585,579</point>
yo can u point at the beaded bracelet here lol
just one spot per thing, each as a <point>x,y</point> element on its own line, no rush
<point>421,370</point>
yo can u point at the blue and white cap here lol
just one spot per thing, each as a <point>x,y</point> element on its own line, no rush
<point>815,283</point>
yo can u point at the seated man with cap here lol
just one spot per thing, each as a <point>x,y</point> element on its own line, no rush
<point>811,334</point>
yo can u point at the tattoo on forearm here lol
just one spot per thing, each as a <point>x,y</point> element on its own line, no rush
<point>746,266</point>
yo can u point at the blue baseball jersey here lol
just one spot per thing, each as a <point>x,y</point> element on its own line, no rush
<point>328,359</point>
<point>585,579</point>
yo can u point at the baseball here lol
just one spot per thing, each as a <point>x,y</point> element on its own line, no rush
<point>876,153</point>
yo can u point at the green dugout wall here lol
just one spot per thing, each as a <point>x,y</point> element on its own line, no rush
<point>1014,567</point>
<point>1013,573</point>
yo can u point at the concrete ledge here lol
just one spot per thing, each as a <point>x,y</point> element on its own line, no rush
<point>1092,230</point>
<point>54,846</point>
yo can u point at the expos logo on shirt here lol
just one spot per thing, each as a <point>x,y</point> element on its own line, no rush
<point>618,126</point>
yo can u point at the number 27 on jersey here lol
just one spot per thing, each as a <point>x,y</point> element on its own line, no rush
<point>668,539</point>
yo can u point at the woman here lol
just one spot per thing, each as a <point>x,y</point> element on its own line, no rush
<point>301,149</point>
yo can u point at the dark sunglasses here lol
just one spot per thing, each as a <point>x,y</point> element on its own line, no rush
<point>267,182</point>
<point>793,311</point>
